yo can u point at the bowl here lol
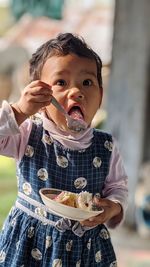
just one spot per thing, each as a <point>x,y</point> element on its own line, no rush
<point>56,208</point>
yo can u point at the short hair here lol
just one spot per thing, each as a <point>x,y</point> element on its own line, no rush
<point>63,44</point>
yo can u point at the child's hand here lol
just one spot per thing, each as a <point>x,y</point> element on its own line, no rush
<point>35,96</point>
<point>111,209</point>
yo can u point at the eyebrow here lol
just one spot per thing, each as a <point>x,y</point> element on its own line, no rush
<point>82,72</point>
<point>61,72</point>
<point>89,73</point>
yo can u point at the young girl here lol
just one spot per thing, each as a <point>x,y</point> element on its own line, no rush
<point>50,155</point>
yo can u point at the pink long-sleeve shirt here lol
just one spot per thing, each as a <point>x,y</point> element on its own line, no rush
<point>13,142</point>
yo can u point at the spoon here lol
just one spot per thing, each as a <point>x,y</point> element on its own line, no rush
<point>73,124</point>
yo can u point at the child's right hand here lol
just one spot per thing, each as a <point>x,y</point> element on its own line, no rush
<point>35,96</point>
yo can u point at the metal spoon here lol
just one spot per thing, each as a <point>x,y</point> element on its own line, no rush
<point>73,124</point>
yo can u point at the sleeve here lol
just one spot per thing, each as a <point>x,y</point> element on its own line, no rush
<point>13,139</point>
<point>116,185</point>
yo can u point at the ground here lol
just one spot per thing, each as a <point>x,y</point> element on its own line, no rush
<point>131,249</point>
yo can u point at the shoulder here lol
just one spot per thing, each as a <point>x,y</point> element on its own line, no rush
<point>104,139</point>
<point>37,127</point>
<point>102,135</point>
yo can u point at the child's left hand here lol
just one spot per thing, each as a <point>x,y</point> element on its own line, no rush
<point>111,209</point>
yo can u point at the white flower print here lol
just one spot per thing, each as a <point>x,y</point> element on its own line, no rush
<point>2,256</point>
<point>108,145</point>
<point>17,245</point>
<point>47,139</point>
<point>40,211</point>
<point>42,174</point>
<point>113,264</point>
<point>36,254</point>
<point>97,162</point>
<point>80,183</point>
<point>69,245</point>
<point>104,234</point>
<point>27,189</point>
<point>78,264</point>
<point>62,161</point>
<point>98,256</point>
<point>29,152</point>
<point>57,263</point>
<point>13,222</point>
<point>30,232</point>
<point>36,119</point>
<point>89,244</point>
<point>48,241</point>
<point>44,223</point>
<point>81,151</point>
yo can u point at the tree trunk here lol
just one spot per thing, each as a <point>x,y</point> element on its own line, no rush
<point>129,89</point>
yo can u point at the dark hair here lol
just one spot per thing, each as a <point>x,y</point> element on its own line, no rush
<point>62,45</point>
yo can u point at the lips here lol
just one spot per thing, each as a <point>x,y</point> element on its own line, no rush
<point>76,113</point>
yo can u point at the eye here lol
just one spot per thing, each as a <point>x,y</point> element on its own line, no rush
<point>87,82</point>
<point>61,82</point>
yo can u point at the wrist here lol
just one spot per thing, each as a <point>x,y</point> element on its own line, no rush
<point>17,107</point>
<point>118,208</point>
<point>19,114</point>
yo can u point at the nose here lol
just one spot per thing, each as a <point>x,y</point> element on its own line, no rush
<point>76,94</point>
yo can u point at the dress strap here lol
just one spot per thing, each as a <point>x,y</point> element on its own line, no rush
<point>33,201</point>
<point>33,214</point>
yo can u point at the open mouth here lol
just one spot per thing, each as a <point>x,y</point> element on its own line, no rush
<point>76,113</point>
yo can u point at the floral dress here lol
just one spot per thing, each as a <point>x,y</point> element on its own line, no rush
<point>31,235</point>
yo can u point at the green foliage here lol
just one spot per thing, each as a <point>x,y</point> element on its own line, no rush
<point>6,20</point>
<point>8,187</point>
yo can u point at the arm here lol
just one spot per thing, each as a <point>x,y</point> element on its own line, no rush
<point>116,186</point>
<point>14,126</point>
<point>13,139</point>
<point>114,195</point>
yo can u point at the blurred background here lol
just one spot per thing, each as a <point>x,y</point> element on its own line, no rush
<point>119,32</point>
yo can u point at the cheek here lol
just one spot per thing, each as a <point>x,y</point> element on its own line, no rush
<point>58,94</point>
<point>94,105</point>
<point>101,95</point>
<point>96,97</point>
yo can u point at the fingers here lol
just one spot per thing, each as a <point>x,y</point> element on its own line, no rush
<point>111,209</point>
<point>102,217</point>
<point>35,96</point>
<point>41,93</point>
<point>94,221</point>
<point>38,97</point>
<point>101,202</point>
<point>38,88</point>
<point>40,83</point>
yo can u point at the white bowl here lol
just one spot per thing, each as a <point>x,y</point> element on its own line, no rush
<point>56,208</point>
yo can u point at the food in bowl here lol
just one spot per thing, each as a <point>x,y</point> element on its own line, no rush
<point>83,200</point>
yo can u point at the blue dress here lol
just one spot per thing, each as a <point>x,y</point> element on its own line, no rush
<point>32,236</point>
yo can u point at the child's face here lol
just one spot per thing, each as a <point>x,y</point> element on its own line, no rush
<point>74,84</point>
